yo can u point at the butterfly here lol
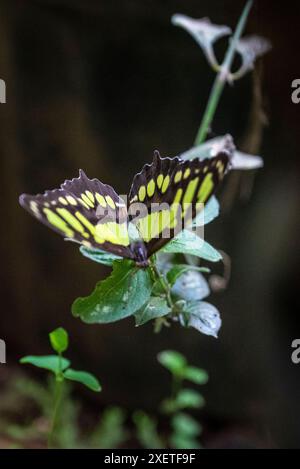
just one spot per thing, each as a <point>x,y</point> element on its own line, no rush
<point>165,196</point>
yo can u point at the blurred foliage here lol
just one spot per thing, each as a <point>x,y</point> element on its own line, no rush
<point>184,429</point>
<point>27,423</point>
<point>111,431</point>
<point>146,430</point>
<point>26,413</point>
<point>29,403</point>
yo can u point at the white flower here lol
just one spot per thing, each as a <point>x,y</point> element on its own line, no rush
<point>204,32</point>
<point>212,147</point>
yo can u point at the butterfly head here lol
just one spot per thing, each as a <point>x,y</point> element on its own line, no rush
<point>139,251</point>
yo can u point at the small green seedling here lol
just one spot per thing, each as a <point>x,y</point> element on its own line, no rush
<point>185,429</point>
<point>146,430</point>
<point>60,367</point>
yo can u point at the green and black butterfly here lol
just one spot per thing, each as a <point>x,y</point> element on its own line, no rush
<point>162,196</point>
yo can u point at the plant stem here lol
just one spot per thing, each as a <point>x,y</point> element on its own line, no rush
<point>159,322</point>
<point>56,412</point>
<point>221,78</point>
<point>176,385</point>
<point>59,379</point>
<point>163,283</point>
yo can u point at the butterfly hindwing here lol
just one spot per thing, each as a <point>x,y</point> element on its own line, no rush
<point>85,211</point>
<point>169,193</point>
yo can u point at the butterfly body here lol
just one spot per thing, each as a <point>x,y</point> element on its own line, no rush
<point>165,196</point>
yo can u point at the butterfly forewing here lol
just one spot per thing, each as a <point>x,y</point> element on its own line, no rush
<point>166,195</point>
<point>85,211</point>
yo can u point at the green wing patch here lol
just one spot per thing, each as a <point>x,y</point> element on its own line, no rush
<point>86,211</point>
<point>166,195</point>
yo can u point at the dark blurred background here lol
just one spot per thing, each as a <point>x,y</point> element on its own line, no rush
<point>99,85</point>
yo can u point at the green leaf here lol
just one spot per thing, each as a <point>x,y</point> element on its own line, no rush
<point>111,431</point>
<point>174,361</point>
<point>185,425</point>
<point>184,442</point>
<point>96,255</point>
<point>146,428</point>
<point>179,269</point>
<point>195,375</point>
<point>157,289</point>
<point>89,380</point>
<point>209,253</point>
<point>126,290</point>
<point>155,308</point>
<point>59,339</point>
<point>188,398</point>
<point>189,243</point>
<point>48,362</point>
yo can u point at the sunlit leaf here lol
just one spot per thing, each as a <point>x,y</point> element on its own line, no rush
<point>188,242</point>
<point>59,340</point>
